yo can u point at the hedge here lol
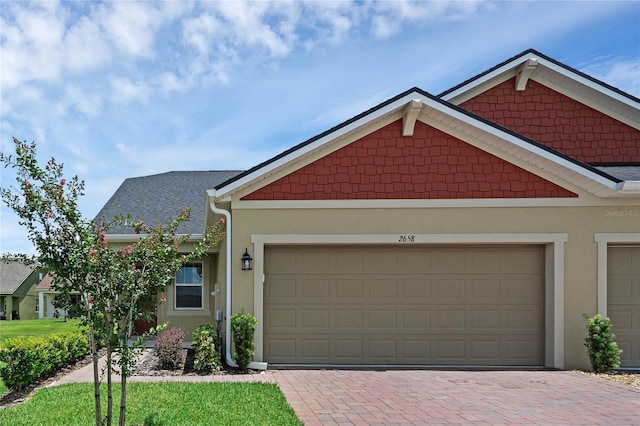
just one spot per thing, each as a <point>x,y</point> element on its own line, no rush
<point>31,358</point>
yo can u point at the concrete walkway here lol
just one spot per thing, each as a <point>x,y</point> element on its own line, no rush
<point>421,397</point>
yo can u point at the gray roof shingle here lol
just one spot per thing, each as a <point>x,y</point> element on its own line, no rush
<point>622,172</point>
<point>161,197</point>
<point>12,274</point>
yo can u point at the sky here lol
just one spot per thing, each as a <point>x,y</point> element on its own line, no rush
<point>124,89</point>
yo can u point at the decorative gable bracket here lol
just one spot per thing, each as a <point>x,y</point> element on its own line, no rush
<point>523,73</point>
<point>411,112</point>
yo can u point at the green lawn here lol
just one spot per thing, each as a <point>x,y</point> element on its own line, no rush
<point>38,327</point>
<point>158,404</point>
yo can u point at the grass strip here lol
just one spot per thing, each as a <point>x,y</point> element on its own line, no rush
<point>165,403</point>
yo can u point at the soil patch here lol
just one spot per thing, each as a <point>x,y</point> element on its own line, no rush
<point>149,365</point>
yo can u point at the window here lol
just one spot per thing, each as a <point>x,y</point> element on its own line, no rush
<point>37,305</point>
<point>189,287</point>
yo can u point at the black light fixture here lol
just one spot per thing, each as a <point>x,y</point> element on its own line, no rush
<point>246,261</point>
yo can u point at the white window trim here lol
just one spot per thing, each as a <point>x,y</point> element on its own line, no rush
<point>604,240</point>
<point>554,273</point>
<point>201,285</point>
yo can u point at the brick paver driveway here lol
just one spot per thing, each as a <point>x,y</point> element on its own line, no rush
<point>362,397</point>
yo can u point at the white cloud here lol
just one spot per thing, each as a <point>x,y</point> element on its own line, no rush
<point>86,46</point>
<point>124,90</point>
<point>623,75</point>
<point>31,43</point>
<point>131,26</point>
<point>88,104</point>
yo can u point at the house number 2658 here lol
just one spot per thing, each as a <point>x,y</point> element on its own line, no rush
<point>407,239</point>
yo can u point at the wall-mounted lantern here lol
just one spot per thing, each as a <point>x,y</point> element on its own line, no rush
<point>246,261</point>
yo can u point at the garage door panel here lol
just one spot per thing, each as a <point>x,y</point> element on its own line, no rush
<point>485,289</point>
<point>382,319</point>
<point>315,348</point>
<point>488,319</point>
<point>383,288</point>
<point>415,288</point>
<point>417,319</point>
<point>623,300</point>
<point>349,289</point>
<point>278,319</point>
<point>403,314</point>
<point>415,351</point>
<point>349,350</point>
<point>383,350</point>
<point>352,319</point>
<point>452,290</point>
<point>525,319</point>
<point>450,319</point>
<point>281,288</point>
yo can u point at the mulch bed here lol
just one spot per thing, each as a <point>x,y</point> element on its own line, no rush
<point>150,366</point>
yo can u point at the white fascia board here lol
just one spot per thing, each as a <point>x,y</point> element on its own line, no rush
<point>506,68</point>
<point>227,191</point>
<point>589,83</point>
<point>523,146</point>
<point>514,64</point>
<point>630,187</point>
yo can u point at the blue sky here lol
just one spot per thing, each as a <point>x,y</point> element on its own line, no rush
<point>123,89</point>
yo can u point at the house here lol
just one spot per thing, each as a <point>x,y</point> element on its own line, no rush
<point>472,228</point>
<point>46,300</point>
<point>18,299</point>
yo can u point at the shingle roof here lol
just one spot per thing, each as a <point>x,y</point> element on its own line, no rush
<point>12,275</point>
<point>161,197</point>
<point>622,172</point>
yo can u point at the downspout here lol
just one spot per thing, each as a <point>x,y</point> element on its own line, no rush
<point>227,215</point>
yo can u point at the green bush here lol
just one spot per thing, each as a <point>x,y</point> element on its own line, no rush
<point>32,358</point>
<point>204,345</point>
<point>242,327</point>
<point>604,353</point>
<point>169,347</point>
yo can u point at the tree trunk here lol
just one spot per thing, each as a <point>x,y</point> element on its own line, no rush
<point>96,371</point>
<point>109,385</point>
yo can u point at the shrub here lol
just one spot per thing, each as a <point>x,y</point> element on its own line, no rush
<point>207,354</point>
<point>604,353</point>
<point>242,327</point>
<point>31,358</point>
<point>169,347</point>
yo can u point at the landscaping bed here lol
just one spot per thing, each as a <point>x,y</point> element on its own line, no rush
<point>149,365</point>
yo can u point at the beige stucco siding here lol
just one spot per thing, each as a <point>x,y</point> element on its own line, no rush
<point>190,319</point>
<point>579,223</point>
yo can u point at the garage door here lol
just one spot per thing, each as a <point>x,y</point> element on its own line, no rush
<point>404,305</point>
<point>623,299</point>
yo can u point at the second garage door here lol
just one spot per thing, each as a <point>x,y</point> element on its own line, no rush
<point>404,305</point>
<point>624,301</point>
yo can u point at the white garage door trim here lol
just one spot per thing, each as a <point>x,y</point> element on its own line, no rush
<point>604,240</point>
<point>554,272</point>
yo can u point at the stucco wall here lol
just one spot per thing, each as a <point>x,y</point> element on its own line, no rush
<point>190,319</point>
<point>580,223</point>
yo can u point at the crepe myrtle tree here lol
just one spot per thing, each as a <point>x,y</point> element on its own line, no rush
<point>116,285</point>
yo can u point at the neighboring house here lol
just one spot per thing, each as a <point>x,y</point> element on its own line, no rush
<point>471,228</point>
<point>46,298</point>
<point>18,299</point>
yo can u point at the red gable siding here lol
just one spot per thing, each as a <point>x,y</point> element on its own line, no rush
<point>429,165</point>
<point>558,122</point>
